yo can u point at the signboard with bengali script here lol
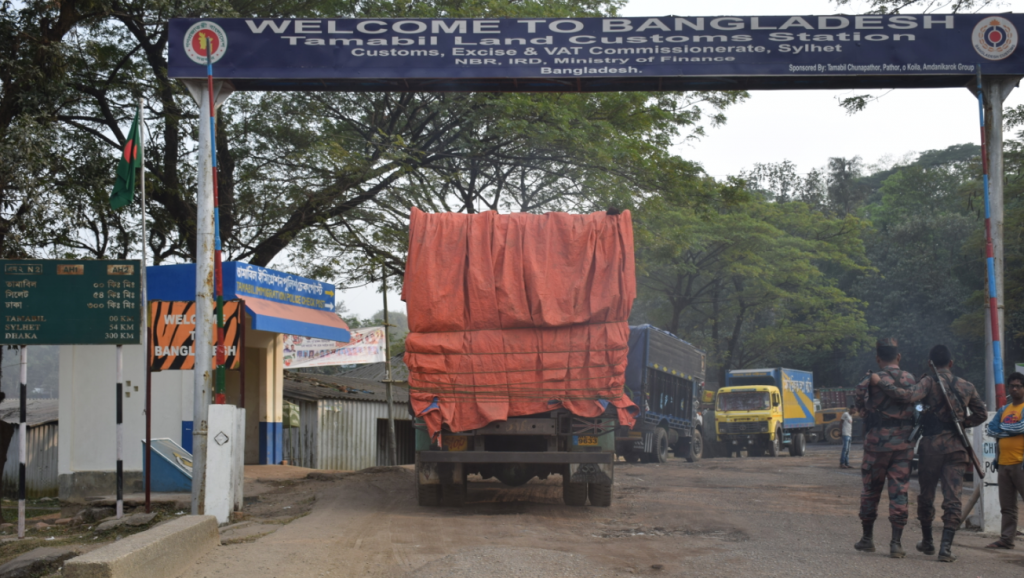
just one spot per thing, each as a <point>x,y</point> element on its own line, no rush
<point>59,302</point>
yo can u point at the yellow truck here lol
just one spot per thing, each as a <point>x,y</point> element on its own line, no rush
<point>765,410</point>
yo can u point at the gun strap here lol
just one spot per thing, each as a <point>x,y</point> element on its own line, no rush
<point>962,407</point>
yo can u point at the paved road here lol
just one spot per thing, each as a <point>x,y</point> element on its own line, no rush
<point>721,517</point>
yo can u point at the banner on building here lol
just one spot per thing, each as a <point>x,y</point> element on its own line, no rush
<point>599,54</point>
<point>366,346</point>
<point>174,334</point>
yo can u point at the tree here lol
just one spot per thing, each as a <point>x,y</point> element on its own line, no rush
<point>326,179</point>
<point>746,282</point>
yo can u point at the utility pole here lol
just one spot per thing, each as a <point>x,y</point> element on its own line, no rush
<point>392,453</point>
<point>205,319</point>
<point>995,90</point>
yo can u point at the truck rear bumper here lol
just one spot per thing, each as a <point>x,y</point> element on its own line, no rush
<point>433,456</point>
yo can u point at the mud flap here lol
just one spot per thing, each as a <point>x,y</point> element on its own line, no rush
<point>592,473</point>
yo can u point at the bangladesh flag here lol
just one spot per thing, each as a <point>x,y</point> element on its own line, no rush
<point>124,186</point>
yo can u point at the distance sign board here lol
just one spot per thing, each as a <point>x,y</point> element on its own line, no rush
<point>56,302</point>
<point>599,54</point>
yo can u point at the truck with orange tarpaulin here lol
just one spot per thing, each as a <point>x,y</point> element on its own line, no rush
<point>517,349</point>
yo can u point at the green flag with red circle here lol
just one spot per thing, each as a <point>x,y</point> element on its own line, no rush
<point>124,187</point>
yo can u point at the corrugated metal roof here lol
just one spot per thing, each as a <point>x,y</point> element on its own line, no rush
<point>312,387</point>
<point>39,411</point>
<point>375,371</point>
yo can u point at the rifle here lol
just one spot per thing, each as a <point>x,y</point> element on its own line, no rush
<point>956,423</point>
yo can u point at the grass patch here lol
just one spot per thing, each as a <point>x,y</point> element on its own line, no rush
<point>11,514</point>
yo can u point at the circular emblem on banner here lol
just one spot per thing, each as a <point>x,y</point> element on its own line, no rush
<point>995,38</point>
<point>202,35</point>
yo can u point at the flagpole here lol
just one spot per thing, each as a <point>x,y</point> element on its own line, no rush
<point>145,308</point>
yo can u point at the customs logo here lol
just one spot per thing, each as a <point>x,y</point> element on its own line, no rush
<point>202,35</point>
<point>995,38</point>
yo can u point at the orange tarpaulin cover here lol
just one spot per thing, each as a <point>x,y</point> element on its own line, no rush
<point>513,315</point>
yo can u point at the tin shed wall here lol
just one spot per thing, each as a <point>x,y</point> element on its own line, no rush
<point>300,442</point>
<point>337,434</point>
<point>40,467</point>
<point>348,433</point>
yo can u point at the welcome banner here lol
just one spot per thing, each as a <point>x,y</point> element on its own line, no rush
<point>367,346</point>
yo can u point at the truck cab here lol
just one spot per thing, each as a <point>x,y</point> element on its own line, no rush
<point>765,410</point>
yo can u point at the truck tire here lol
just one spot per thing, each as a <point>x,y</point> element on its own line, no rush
<point>696,447</point>
<point>834,434</point>
<point>428,495</point>
<point>600,495</point>
<point>660,453</point>
<point>775,445</point>
<point>573,494</point>
<point>797,445</point>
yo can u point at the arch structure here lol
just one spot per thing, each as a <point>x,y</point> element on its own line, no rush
<point>674,53</point>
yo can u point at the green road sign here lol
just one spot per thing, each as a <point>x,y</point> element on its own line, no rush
<point>67,302</point>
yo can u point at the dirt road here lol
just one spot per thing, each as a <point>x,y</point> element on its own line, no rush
<point>721,517</point>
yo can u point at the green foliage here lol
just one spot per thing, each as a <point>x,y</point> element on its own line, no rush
<point>923,240</point>
<point>325,180</point>
<point>747,281</point>
<point>941,6</point>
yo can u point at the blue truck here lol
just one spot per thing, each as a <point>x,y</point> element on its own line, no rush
<point>765,411</point>
<point>665,379</point>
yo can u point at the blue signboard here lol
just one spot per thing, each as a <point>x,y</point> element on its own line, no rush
<point>242,280</point>
<point>595,54</point>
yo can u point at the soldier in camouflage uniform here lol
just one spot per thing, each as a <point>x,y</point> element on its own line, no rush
<point>886,400</point>
<point>942,456</point>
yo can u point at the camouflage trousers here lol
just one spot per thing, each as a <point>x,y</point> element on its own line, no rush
<point>949,470</point>
<point>878,467</point>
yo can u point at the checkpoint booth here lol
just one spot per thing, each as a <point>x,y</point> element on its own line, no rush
<point>276,304</point>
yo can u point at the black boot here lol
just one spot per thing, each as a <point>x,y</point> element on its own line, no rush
<point>895,548</point>
<point>926,546</point>
<point>867,541</point>
<point>947,542</point>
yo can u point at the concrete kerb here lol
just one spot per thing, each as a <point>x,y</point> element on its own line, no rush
<point>161,552</point>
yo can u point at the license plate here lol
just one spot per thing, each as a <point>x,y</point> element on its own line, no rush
<point>456,443</point>
<point>586,440</point>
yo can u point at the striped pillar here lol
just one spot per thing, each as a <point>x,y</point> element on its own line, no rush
<point>120,462</point>
<point>22,443</point>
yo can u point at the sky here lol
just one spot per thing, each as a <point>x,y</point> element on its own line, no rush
<point>805,127</point>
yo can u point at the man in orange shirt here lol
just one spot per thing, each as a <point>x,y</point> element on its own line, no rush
<point>1008,427</point>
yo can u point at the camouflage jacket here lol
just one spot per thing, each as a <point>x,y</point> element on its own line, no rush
<point>938,416</point>
<point>891,399</point>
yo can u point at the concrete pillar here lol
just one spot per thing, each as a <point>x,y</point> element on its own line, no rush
<point>271,400</point>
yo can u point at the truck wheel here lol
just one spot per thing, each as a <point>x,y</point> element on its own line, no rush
<point>798,445</point>
<point>660,454</point>
<point>573,494</point>
<point>600,495</point>
<point>428,495</point>
<point>775,445</point>
<point>696,447</point>
<point>834,434</point>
